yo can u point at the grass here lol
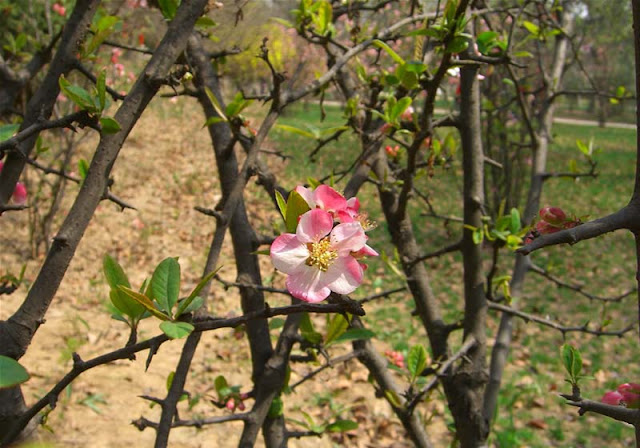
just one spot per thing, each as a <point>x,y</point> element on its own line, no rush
<point>604,266</point>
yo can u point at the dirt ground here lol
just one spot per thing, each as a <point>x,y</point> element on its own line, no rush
<point>165,169</point>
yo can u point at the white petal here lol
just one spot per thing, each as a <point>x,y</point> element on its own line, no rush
<point>308,283</point>
<point>348,237</point>
<point>288,253</point>
<point>348,273</point>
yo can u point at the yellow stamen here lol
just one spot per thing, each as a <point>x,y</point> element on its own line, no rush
<point>365,222</point>
<point>321,255</point>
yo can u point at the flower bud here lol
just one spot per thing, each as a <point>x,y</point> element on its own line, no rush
<point>553,215</point>
<point>544,227</point>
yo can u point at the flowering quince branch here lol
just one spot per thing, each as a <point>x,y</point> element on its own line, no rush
<point>622,219</point>
<point>321,258</point>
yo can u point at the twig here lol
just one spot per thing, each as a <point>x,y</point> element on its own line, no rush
<point>41,124</point>
<point>442,370</point>
<point>330,363</point>
<point>578,288</point>
<point>527,317</point>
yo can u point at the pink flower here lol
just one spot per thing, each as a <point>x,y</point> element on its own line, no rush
<point>319,258</point>
<point>119,69</point>
<point>329,200</point>
<point>115,55</point>
<point>20,194</point>
<point>612,397</point>
<point>392,151</point>
<point>627,394</point>
<point>630,394</point>
<point>59,9</point>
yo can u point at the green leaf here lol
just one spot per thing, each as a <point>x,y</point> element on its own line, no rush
<point>193,305</point>
<point>276,323</point>
<point>101,88</point>
<point>185,305</point>
<point>109,125</point>
<point>212,120</point>
<point>457,45</point>
<point>572,362</point>
<point>282,204</point>
<point>126,304</point>
<point>393,398</point>
<point>295,130</point>
<point>307,331</point>
<point>11,373</point>
<point>277,408</point>
<point>342,426</point>
<point>531,27</point>
<point>145,302</point>
<point>176,330</point>
<point>215,103</point>
<point>77,94</point>
<point>296,206</point>
<point>417,360</point>
<point>101,30</point>
<point>168,8</point>
<point>237,105</point>
<point>205,22</point>
<point>83,168</point>
<point>221,385</point>
<point>516,225</point>
<point>353,334</point>
<point>395,56</point>
<point>8,130</point>
<point>523,54</point>
<point>165,284</point>
<point>477,236</point>
<point>399,108</point>
<point>337,326</point>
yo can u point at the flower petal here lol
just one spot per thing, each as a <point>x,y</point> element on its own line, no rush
<point>288,253</point>
<point>348,275</point>
<point>348,237</point>
<point>329,199</point>
<point>308,283</point>
<point>353,204</point>
<point>20,194</point>
<point>314,225</point>
<point>307,195</point>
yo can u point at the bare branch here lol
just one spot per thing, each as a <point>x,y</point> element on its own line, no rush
<point>527,317</point>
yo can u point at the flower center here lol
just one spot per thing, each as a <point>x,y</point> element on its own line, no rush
<point>321,255</point>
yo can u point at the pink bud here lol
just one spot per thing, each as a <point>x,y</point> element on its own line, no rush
<point>59,9</point>
<point>241,406</point>
<point>231,405</point>
<point>543,227</point>
<point>553,215</point>
<point>20,194</point>
<point>613,398</point>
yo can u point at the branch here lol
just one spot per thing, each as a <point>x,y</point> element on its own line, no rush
<point>619,413</point>
<point>382,294</point>
<point>555,325</point>
<point>444,250</point>
<point>625,218</point>
<point>108,195</point>
<point>442,371</point>
<point>41,124</point>
<point>330,363</point>
<point>143,423</point>
<point>578,288</point>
